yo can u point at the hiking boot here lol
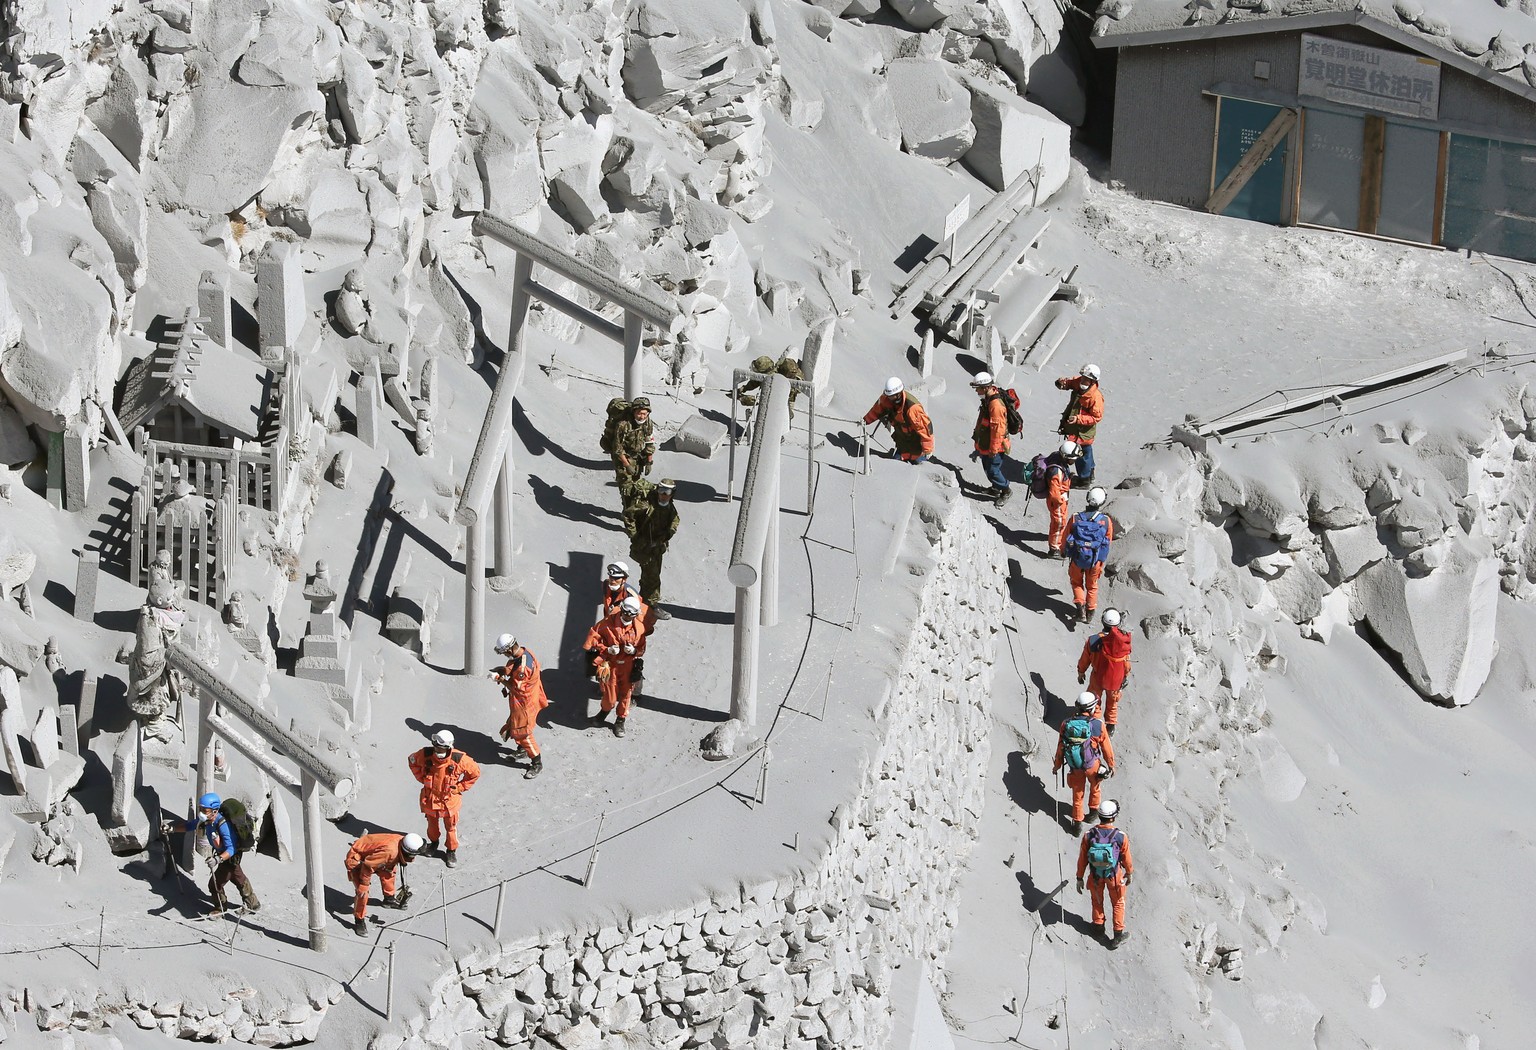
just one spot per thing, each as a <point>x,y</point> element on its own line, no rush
<point>598,719</point>
<point>518,753</point>
<point>1055,552</point>
<point>431,846</point>
<point>1085,613</point>
<point>661,613</point>
<point>1110,728</point>
<point>360,927</point>
<point>451,858</point>
<point>618,727</point>
<point>394,900</point>
<point>1115,939</point>
<point>1002,497</point>
<point>536,768</point>
<point>248,895</point>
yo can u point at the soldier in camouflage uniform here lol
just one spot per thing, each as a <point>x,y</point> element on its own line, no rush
<point>655,525</point>
<point>634,446</point>
<point>786,366</point>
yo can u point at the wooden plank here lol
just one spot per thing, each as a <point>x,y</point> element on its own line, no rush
<point>1050,340</point>
<point>1438,229</point>
<point>1251,161</point>
<point>1023,300</point>
<point>1223,424</point>
<point>1025,231</point>
<point>1373,148</point>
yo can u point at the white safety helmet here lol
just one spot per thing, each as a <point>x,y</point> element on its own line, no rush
<point>1108,809</point>
<point>1087,701</point>
<point>630,606</point>
<point>981,379</point>
<point>893,386</point>
<point>1111,617</point>
<point>617,569</point>
<point>1097,496</point>
<point>412,844</point>
<point>504,643</point>
<point>1068,448</point>
<point>1091,372</point>
<point>442,739</point>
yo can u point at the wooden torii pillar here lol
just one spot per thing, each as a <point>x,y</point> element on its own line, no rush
<point>492,460</point>
<point>218,699</point>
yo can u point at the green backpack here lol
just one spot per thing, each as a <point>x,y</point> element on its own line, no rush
<point>618,409</point>
<point>240,824</point>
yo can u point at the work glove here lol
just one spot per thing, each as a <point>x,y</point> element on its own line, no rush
<point>629,650</point>
<point>1079,885</point>
<point>506,734</point>
<point>975,455</point>
<point>613,650</point>
<point>1081,679</point>
<point>1127,879</point>
<point>1105,772</point>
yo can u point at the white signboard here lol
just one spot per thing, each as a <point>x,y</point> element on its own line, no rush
<point>957,216</point>
<point>1369,77</point>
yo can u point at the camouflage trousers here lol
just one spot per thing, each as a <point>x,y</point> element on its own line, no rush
<point>649,559</point>
<point>634,490</point>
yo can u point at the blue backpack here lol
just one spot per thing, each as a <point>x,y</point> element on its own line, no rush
<point>1104,852</point>
<point>1088,538</point>
<point>1078,750</point>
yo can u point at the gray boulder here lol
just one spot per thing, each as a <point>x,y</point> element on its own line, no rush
<point>933,108</point>
<point>1013,136</point>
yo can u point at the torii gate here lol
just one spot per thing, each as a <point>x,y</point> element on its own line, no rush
<point>493,450</point>
<point>316,768</point>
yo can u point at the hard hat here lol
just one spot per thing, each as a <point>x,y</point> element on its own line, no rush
<point>411,843</point>
<point>616,570</point>
<point>1111,617</point>
<point>762,364</point>
<point>1097,496</point>
<point>1108,809</point>
<point>1087,701</point>
<point>666,485</point>
<point>1068,448</point>
<point>630,605</point>
<point>209,801</point>
<point>1092,372</point>
<point>640,402</point>
<point>981,379</point>
<point>893,386</point>
<point>505,642</point>
<point>442,738</point>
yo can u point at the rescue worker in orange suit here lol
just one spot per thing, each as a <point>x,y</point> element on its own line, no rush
<point>1058,494</point>
<point>1105,858</point>
<point>522,683</point>
<point>616,587</point>
<point>911,429</point>
<point>1080,421</point>
<point>444,775</point>
<point>620,639</point>
<point>379,854</point>
<point>1084,749</point>
<point>1089,534</point>
<point>1105,664</point>
<point>991,435</point>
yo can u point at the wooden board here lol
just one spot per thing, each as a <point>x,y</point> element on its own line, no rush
<point>1257,154</point>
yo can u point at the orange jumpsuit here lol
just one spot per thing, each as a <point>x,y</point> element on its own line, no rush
<point>1091,779</point>
<point>377,853</point>
<point>1084,412</point>
<point>1115,883</point>
<point>1056,500</point>
<point>610,632</point>
<point>1085,582</point>
<point>522,680</point>
<point>1109,654</point>
<point>911,429</point>
<point>612,596</point>
<point>443,782</point>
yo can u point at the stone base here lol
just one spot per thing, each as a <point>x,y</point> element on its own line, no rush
<point>727,740</point>
<point>700,437</point>
<point>527,584</point>
<point>170,754</point>
<point>134,834</point>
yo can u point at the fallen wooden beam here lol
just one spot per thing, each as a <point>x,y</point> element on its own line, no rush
<point>1251,161</point>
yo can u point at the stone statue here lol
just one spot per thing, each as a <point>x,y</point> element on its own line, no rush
<point>234,611</point>
<point>352,312</point>
<point>423,427</point>
<point>152,686</point>
<point>184,507</point>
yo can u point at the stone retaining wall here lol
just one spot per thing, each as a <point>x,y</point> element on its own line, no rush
<point>798,963</point>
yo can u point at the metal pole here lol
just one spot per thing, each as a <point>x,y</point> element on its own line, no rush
<point>389,986</point>
<point>768,587</point>
<point>592,857</point>
<point>101,934</point>
<point>474,597</point>
<point>744,656</point>
<point>501,900</point>
<point>865,468</point>
<point>314,877</point>
<point>730,468</point>
<point>443,883</point>
<point>810,458</point>
<point>634,359</point>
<point>502,516</point>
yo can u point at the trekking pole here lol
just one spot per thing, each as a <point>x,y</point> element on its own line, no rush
<point>101,933</point>
<point>389,986</point>
<point>501,899</point>
<point>586,879</point>
<point>443,883</point>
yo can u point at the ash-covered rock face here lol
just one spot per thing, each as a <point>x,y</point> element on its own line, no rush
<point>1408,529</point>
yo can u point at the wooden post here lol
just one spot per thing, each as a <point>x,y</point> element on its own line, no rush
<point>1372,151</point>
<point>314,881</point>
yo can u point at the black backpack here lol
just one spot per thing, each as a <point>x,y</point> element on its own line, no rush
<point>241,826</point>
<point>1010,400</point>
